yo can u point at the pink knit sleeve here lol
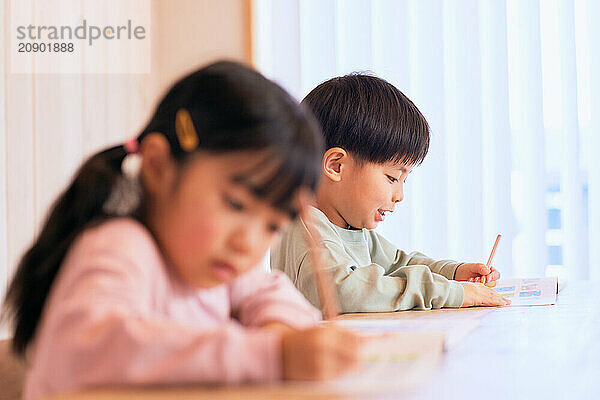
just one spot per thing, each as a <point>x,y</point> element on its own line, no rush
<point>99,329</point>
<point>258,297</point>
<point>108,347</point>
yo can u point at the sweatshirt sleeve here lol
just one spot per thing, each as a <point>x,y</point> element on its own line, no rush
<point>258,297</point>
<point>447,268</point>
<point>370,289</point>
<point>391,258</point>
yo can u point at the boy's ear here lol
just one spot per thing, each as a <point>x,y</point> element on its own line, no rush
<point>158,167</point>
<point>333,163</point>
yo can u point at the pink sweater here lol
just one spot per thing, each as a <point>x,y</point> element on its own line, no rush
<point>116,315</point>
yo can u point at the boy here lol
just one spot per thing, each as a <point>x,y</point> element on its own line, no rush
<point>374,136</point>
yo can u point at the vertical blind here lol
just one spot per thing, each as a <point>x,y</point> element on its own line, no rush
<point>511,90</point>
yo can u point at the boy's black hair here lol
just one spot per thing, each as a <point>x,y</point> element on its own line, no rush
<point>370,118</point>
<point>231,108</point>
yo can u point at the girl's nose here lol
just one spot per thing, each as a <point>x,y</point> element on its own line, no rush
<point>245,238</point>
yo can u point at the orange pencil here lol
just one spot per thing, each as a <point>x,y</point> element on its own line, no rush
<point>493,251</point>
<point>325,287</point>
<point>489,263</point>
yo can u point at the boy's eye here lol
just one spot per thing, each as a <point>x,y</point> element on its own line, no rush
<point>392,179</point>
<point>236,205</point>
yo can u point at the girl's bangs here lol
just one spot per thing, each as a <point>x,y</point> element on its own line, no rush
<point>277,178</point>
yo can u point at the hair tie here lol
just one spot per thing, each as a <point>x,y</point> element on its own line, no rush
<point>126,193</point>
<point>131,145</point>
<point>132,163</point>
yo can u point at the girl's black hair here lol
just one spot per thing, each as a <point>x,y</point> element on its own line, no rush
<point>370,118</point>
<point>232,108</point>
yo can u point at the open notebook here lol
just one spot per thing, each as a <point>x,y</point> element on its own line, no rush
<point>529,292</point>
<point>391,362</point>
<point>451,330</point>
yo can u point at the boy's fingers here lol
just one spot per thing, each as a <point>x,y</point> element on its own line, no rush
<point>498,301</point>
<point>494,298</point>
<point>490,280</point>
<point>482,269</point>
<point>494,276</point>
<point>503,301</point>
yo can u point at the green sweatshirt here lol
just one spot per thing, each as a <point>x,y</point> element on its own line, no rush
<point>369,273</point>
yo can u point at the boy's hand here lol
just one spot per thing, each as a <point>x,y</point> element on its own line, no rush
<point>319,353</point>
<point>477,272</point>
<point>477,294</point>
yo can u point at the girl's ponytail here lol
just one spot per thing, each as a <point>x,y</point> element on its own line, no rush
<point>75,209</point>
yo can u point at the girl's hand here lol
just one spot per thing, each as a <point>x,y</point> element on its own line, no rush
<point>477,294</point>
<point>278,327</point>
<point>319,353</point>
<point>477,272</point>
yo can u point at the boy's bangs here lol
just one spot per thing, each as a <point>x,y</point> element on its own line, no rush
<point>277,178</point>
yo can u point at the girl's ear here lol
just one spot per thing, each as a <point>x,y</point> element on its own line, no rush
<point>158,167</point>
<point>334,161</point>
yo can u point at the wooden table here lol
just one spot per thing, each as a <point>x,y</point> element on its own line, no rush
<point>538,352</point>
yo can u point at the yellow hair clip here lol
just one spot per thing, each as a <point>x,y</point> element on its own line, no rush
<point>184,128</point>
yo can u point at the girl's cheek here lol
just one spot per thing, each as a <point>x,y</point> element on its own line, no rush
<point>207,216</point>
<point>195,231</point>
<point>204,229</point>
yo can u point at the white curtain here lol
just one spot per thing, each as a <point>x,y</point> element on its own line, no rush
<point>511,90</point>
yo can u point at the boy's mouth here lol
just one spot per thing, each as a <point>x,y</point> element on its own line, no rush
<point>381,214</point>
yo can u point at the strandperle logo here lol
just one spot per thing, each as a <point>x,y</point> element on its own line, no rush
<point>80,37</point>
<point>90,33</point>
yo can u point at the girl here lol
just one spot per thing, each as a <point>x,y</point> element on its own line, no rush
<point>146,268</point>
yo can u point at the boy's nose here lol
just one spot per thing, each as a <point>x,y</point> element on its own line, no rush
<point>398,196</point>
